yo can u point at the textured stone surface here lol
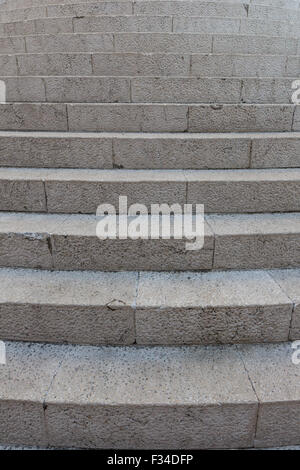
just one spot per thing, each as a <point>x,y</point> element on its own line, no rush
<point>70,243</point>
<point>289,281</point>
<point>138,399</point>
<point>85,308</point>
<point>255,241</point>
<point>189,308</point>
<point>55,150</point>
<point>159,24</point>
<point>127,117</point>
<point>276,382</point>
<point>33,116</point>
<point>25,380</point>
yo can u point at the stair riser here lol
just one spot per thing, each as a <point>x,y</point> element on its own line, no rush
<point>183,43</point>
<point>79,252</point>
<point>147,90</point>
<point>114,64</point>
<point>149,118</point>
<point>154,152</point>
<point>73,197</point>
<point>136,317</point>
<point>156,24</point>
<point>16,4</point>
<point>182,8</point>
<point>226,411</point>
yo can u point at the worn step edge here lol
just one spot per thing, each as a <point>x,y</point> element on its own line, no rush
<point>126,89</point>
<point>149,308</point>
<point>149,151</point>
<point>256,386</point>
<point>147,117</point>
<point>69,242</point>
<point>83,190</point>
<point>150,64</point>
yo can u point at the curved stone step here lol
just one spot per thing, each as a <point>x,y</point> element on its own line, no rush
<point>154,7</point>
<point>153,64</point>
<point>69,242</point>
<point>83,190</point>
<point>149,308</point>
<point>132,117</point>
<point>184,43</point>
<point>184,90</point>
<point>142,23</point>
<point>229,393</point>
<point>149,151</point>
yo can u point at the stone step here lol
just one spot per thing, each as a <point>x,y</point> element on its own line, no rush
<point>83,190</point>
<point>151,64</point>
<point>149,151</point>
<point>10,5</point>
<point>183,43</point>
<point>169,8</point>
<point>132,117</point>
<point>69,243</point>
<point>233,396</point>
<point>143,23</point>
<point>98,89</point>
<point>149,308</point>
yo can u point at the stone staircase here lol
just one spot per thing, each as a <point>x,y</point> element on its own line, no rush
<point>141,343</point>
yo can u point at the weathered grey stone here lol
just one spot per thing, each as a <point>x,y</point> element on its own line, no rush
<point>29,240</point>
<point>17,194</point>
<point>55,150</point>
<point>185,90</point>
<point>274,13</point>
<point>13,45</point>
<point>18,28</point>
<point>24,89</point>
<point>54,64</point>
<point>159,24</point>
<point>152,408</point>
<point>271,190</point>
<point>267,91</point>
<point>67,43</point>
<point>190,8</point>
<point>279,151</point>
<point>70,191</point>
<point>33,116</point>
<point>22,14</point>
<point>76,247</point>
<point>205,25</point>
<point>54,26</point>
<point>24,382</point>
<point>23,242</point>
<point>127,117</point>
<point>163,42</point>
<point>237,65</point>
<point>275,380</point>
<point>256,241</point>
<point>238,44</point>
<point>100,8</point>
<point>135,64</point>
<point>180,151</point>
<point>231,307</point>
<point>87,89</point>
<point>289,281</point>
<point>85,308</point>
<point>8,65</point>
<point>241,117</point>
